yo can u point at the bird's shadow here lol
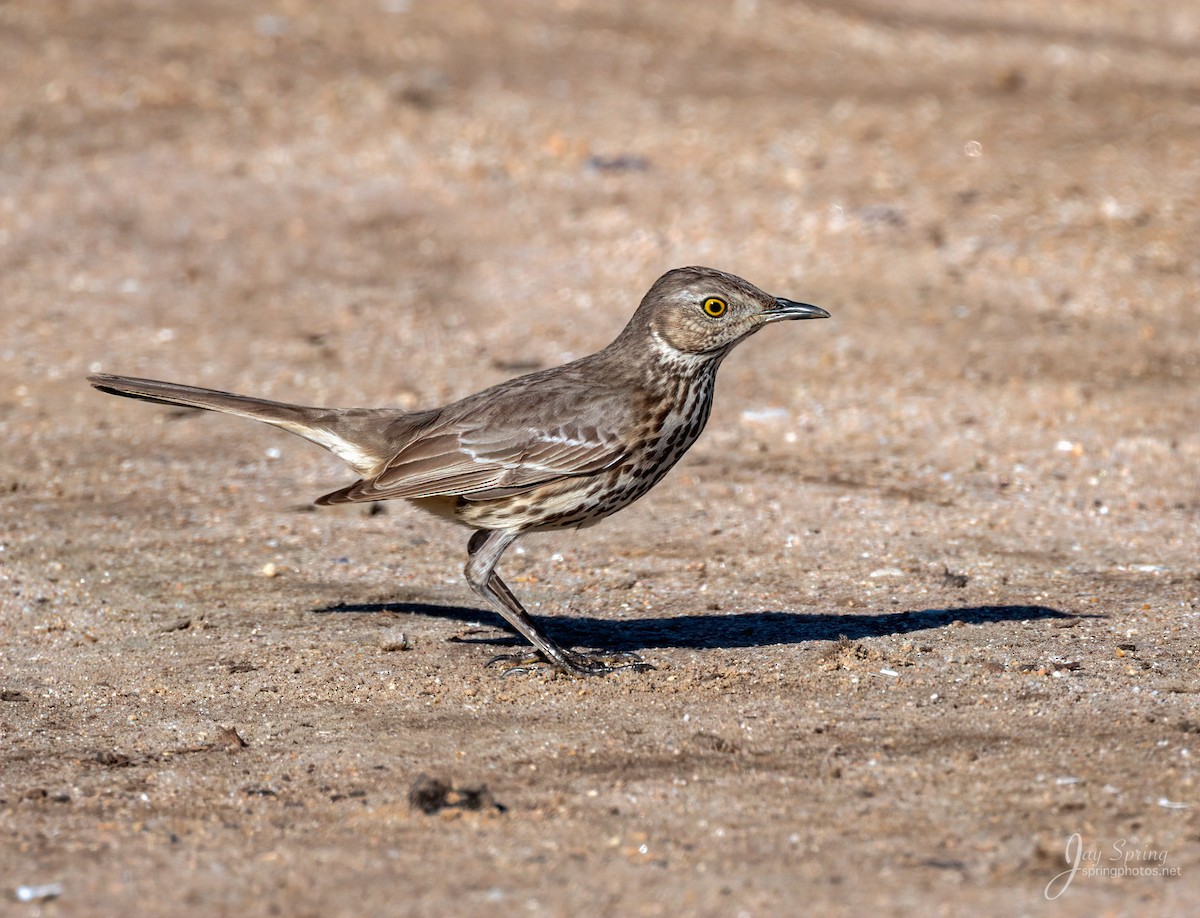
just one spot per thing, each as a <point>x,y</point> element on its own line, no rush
<point>716,629</point>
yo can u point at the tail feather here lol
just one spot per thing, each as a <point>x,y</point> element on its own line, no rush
<point>166,393</point>
<point>363,446</point>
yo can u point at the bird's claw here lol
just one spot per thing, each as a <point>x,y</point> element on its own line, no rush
<point>572,662</point>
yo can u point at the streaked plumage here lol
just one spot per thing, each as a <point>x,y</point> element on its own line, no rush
<point>555,449</point>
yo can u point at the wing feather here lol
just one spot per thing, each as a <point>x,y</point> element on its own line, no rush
<point>476,466</point>
<point>574,420</point>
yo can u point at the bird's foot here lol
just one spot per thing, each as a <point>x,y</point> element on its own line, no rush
<point>572,662</point>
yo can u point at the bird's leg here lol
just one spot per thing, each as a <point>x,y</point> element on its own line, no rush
<point>483,553</point>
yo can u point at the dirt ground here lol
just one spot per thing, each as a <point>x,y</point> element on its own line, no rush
<point>923,600</point>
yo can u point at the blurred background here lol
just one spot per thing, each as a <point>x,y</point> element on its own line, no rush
<point>399,202</point>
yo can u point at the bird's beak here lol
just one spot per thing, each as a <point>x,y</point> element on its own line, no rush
<point>787,309</point>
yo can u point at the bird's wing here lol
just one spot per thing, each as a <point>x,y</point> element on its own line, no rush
<point>577,419</point>
<point>480,464</point>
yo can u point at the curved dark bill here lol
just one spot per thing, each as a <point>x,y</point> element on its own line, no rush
<point>787,309</point>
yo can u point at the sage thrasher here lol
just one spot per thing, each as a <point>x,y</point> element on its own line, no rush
<point>556,449</point>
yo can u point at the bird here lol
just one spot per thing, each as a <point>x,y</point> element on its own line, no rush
<point>555,449</point>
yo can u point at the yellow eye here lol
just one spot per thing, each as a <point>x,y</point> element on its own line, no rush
<point>715,307</point>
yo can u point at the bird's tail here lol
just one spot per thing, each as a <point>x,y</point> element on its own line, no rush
<point>359,436</point>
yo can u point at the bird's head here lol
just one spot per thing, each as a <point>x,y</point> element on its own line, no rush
<point>695,313</point>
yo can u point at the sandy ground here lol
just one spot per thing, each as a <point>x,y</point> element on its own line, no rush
<point>923,601</point>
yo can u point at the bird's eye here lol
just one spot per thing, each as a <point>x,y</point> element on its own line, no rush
<point>715,307</point>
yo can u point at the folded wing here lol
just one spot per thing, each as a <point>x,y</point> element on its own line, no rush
<point>483,464</point>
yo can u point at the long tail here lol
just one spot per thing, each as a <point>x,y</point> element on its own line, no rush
<point>362,437</point>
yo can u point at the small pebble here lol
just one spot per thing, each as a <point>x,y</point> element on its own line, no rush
<point>393,641</point>
<point>39,893</point>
